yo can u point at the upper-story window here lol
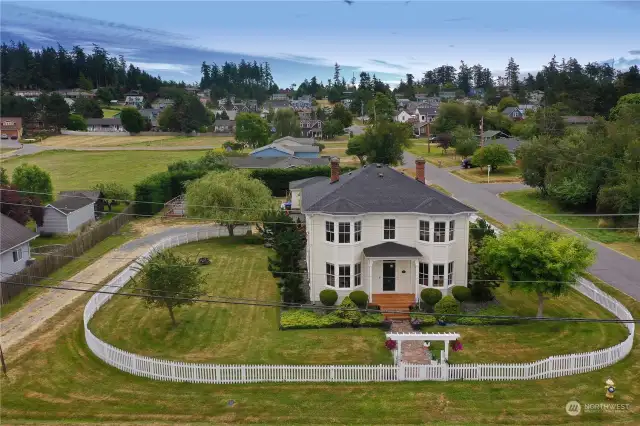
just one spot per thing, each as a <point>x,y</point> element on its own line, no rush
<point>439,232</point>
<point>452,227</point>
<point>330,234</point>
<point>344,232</point>
<point>424,230</point>
<point>357,231</point>
<point>389,229</point>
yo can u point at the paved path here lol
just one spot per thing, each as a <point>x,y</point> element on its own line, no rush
<point>612,267</point>
<point>413,351</point>
<point>33,315</point>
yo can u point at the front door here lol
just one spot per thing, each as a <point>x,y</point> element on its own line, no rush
<point>388,275</point>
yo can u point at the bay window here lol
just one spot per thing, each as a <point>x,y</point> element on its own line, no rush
<point>344,276</point>
<point>357,231</point>
<point>452,227</point>
<point>357,275</point>
<point>424,230</point>
<point>329,231</point>
<point>450,274</point>
<point>331,275</point>
<point>438,275</point>
<point>423,274</point>
<point>344,232</point>
<point>439,235</point>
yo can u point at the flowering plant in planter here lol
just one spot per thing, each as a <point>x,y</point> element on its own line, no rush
<point>391,344</point>
<point>456,345</point>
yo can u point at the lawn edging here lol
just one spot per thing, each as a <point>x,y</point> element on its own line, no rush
<point>160,369</point>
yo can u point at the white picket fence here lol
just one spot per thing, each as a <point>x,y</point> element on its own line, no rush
<point>159,369</point>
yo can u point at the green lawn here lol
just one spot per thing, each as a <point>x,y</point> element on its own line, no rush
<point>232,334</point>
<point>505,174</point>
<point>435,154</point>
<point>108,113</point>
<point>621,240</point>
<point>70,269</point>
<point>81,170</point>
<point>534,341</point>
<point>56,379</point>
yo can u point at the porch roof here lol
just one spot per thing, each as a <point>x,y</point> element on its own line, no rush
<point>391,250</point>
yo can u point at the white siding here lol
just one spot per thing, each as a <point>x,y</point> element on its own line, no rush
<point>81,216</point>
<point>296,198</point>
<point>54,222</point>
<point>319,251</point>
<point>8,266</point>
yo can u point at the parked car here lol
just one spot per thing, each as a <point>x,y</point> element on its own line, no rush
<point>5,136</point>
<point>14,137</point>
<point>467,164</point>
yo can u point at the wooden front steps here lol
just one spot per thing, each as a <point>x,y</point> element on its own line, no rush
<point>394,302</point>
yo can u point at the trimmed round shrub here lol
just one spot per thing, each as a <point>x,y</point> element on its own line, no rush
<point>360,298</point>
<point>461,294</point>
<point>430,296</point>
<point>328,297</point>
<point>448,305</point>
<point>349,311</point>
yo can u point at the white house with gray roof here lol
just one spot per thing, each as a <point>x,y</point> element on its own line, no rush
<point>67,214</point>
<point>14,246</point>
<point>380,231</point>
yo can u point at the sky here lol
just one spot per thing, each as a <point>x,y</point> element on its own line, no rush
<point>302,38</point>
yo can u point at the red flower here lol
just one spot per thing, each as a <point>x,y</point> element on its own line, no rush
<point>391,344</point>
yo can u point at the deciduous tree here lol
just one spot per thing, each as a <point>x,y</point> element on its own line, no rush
<point>88,108</point>
<point>493,155</point>
<point>507,102</point>
<point>357,146</point>
<point>113,192</point>
<point>230,197</point>
<point>341,114</point>
<point>169,280</point>
<point>332,128</point>
<point>385,141</point>
<point>33,181</point>
<point>286,123</point>
<point>536,260</point>
<point>252,129</point>
<point>77,122</point>
<point>132,120</point>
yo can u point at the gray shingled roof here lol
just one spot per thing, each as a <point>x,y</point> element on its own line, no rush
<point>13,234</point>
<point>428,111</point>
<point>377,189</point>
<point>306,182</point>
<point>104,121</point>
<point>509,110</point>
<point>250,162</point>
<point>511,143</point>
<point>70,204</point>
<point>391,250</point>
<point>301,148</point>
<point>301,141</point>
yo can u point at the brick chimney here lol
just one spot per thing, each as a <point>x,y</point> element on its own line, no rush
<point>335,169</point>
<point>420,169</point>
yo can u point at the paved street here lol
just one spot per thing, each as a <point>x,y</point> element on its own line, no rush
<point>612,267</point>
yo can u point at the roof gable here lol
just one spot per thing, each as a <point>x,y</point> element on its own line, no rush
<point>13,234</point>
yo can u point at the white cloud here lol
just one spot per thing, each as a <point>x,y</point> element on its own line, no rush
<point>155,66</point>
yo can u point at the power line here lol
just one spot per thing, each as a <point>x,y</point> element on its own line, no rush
<point>280,304</point>
<point>245,221</point>
<point>276,208</point>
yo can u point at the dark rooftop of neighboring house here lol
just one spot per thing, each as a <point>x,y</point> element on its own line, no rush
<point>578,119</point>
<point>92,195</point>
<point>70,204</point>
<point>509,110</point>
<point>305,182</point>
<point>511,143</point>
<point>250,162</point>
<point>13,234</point>
<point>300,148</point>
<point>428,111</point>
<point>391,250</point>
<point>103,121</point>
<point>377,189</point>
<point>278,104</point>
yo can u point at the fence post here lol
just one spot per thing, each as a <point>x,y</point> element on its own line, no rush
<point>401,371</point>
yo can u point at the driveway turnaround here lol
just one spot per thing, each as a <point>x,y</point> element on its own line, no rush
<point>614,268</point>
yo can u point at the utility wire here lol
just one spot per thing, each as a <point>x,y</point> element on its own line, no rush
<point>276,209</point>
<point>241,221</point>
<point>279,304</point>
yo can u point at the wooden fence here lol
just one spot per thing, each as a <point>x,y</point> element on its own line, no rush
<point>56,259</point>
<point>159,369</point>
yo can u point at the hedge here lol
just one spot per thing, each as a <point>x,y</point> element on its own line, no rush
<point>277,180</point>
<point>419,319</point>
<point>297,319</point>
<point>155,190</point>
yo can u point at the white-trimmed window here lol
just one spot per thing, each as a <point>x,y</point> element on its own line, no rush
<point>424,230</point>
<point>331,275</point>
<point>439,232</point>
<point>389,229</point>
<point>438,275</point>
<point>357,231</point>
<point>452,227</point>
<point>423,273</point>
<point>450,274</point>
<point>330,232</point>
<point>344,232</point>
<point>17,255</point>
<point>357,275</point>
<point>344,276</point>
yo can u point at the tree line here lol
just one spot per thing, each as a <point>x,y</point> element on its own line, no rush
<point>246,80</point>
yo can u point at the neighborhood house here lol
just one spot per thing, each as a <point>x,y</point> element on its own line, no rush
<point>14,246</point>
<point>377,230</point>
<point>11,127</point>
<point>104,125</point>
<point>67,214</point>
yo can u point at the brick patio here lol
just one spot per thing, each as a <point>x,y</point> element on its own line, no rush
<point>412,351</point>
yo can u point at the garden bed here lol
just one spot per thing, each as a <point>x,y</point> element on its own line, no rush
<point>300,319</point>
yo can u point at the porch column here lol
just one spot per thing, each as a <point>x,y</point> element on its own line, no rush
<point>370,265</point>
<point>417,279</point>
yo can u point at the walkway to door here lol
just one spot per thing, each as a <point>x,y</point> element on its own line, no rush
<point>413,352</point>
<point>394,302</point>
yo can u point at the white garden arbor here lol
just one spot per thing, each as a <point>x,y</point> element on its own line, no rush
<point>429,337</point>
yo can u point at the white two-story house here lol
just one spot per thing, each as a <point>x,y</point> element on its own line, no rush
<point>380,231</point>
